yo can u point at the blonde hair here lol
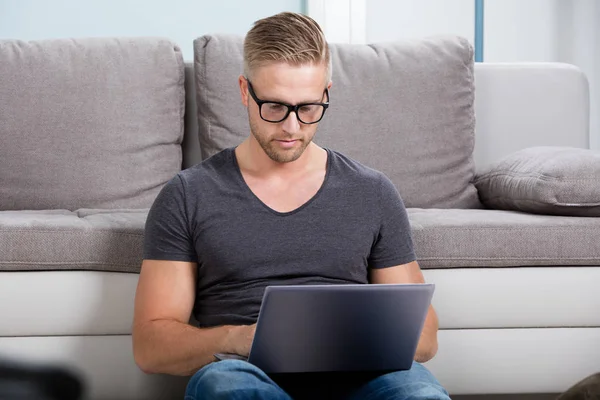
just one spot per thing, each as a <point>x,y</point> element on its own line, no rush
<point>295,39</point>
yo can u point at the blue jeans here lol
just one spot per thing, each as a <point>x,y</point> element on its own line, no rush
<point>239,380</point>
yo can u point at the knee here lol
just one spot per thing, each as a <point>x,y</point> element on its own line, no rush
<point>212,376</point>
<point>213,370</point>
<point>419,372</point>
<point>418,383</point>
<point>219,380</point>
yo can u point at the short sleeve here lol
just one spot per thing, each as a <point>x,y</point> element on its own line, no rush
<point>394,244</point>
<point>167,233</point>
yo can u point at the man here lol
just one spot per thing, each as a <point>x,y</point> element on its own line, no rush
<point>277,209</point>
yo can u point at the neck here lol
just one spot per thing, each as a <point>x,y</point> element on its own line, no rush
<point>252,158</point>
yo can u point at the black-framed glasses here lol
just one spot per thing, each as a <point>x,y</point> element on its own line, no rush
<point>274,111</point>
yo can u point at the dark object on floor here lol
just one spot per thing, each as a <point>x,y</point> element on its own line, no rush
<point>19,381</point>
<point>587,389</point>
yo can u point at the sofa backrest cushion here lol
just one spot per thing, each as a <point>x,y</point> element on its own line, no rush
<point>405,108</point>
<point>89,123</point>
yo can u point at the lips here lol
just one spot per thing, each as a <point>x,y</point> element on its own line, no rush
<point>287,143</point>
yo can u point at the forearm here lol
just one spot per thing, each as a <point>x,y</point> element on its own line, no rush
<point>428,345</point>
<point>176,348</point>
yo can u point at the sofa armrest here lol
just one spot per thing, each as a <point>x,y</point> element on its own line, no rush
<point>520,105</point>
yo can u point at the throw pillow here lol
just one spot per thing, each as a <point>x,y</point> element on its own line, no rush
<point>544,180</point>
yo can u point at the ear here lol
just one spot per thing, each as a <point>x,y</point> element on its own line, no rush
<point>329,85</point>
<point>243,90</point>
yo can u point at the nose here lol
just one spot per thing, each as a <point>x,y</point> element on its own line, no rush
<point>291,123</point>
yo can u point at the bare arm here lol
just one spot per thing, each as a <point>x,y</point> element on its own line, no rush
<point>163,339</point>
<point>411,273</point>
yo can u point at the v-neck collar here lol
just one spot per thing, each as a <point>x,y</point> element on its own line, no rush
<point>247,188</point>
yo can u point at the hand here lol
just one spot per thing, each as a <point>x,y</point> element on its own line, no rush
<point>241,339</point>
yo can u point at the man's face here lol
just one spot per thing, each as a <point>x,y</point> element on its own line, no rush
<point>284,141</point>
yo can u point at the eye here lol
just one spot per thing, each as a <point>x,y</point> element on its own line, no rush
<point>309,108</point>
<point>274,107</point>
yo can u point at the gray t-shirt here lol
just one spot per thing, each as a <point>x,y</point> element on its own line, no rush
<point>208,215</point>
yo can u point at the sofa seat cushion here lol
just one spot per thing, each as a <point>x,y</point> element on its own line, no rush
<point>493,238</point>
<point>86,239</point>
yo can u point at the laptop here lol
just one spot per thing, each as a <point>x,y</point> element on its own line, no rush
<point>338,328</point>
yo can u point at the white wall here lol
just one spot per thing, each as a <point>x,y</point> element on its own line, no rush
<point>395,19</point>
<point>179,20</point>
<point>520,30</point>
<point>548,30</point>
<point>541,30</point>
<point>579,44</point>
<point>515,31</point>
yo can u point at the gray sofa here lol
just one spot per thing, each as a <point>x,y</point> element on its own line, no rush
<point>91,129</point>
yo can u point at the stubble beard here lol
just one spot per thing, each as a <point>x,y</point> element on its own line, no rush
<point>277,154</point>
